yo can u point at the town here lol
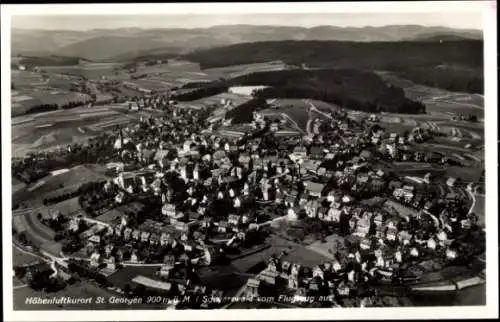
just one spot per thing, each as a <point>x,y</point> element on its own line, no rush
<point>298,173</point>
<point>186,193</point>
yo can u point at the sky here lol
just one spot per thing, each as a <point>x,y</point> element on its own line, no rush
<point>461,20</point>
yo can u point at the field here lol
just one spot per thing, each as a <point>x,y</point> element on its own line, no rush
<point>239,70</point>
<point>20,258</point>
<point>23,100</point>
<point>89,71</point>
<point>68,207</point>
<point>323,248</point>
<point>60,184</point>
<point>438,101</point>
<point>59,128</point>
<point>38,233</point>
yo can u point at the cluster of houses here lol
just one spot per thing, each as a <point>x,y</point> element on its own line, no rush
<point>196,174</point>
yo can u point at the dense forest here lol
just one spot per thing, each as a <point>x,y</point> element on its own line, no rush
<point>31,62</point>
<point>52,107</point>
<point>350,88</point>
<point>243,113</point>
<point>419,61</point>
<point>208,89</point>
<point>449,78</point>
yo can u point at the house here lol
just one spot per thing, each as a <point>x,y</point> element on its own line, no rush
<point>451,253</point>
<point>391,233</point>
<point>108,249</point>
<point>365,243</point>
<point>120,197</point>
<point>95,259</point>
<point>136,234</point>
<point>377,185</point>
<point>316,153</point>
<point>154,239</point>
<point>252,287</point>
<point>269,275</point>
<point>299,152</point>
<point>74,224</point>
<point>314,189</point>
<point>366,155</point>
<point>431,243</point>
<point>333,215</point>
<point>145,236</point>
<point>127,233</point>
<point>244,159</point>
<point>362,179</point>
<point>346,199</point>
<point>96,239</point>
<point>363,226</point>
<point>234,220</point>
<point>451,182</point>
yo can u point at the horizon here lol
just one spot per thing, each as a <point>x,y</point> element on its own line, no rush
<point>453,20</point>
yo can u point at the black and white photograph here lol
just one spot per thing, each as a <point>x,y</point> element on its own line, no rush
<point>206,157</point>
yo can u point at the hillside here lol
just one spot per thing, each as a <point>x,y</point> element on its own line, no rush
<point>349,88</point>
<point>413,59</point>
<point>83,43</point>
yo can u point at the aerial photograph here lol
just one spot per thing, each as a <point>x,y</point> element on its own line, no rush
<point>247,161</point>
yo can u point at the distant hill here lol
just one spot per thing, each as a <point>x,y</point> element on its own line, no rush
<point>108,47</point>
<point>439,37</point>
<point>109,43</point>
<point>420,61</point>
<point>374,55</point>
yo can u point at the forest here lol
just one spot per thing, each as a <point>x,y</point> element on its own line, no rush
<point>419,61</point>
<point>349,88</point>
<point>31,62</point>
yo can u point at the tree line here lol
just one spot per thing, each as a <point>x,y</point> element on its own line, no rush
<point>54,106</point>
<point>205,91</point>
<point>399,57</point>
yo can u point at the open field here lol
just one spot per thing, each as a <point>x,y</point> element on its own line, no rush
<point>239,70</point>
<point>39,234</point>
<point>23,100</point>
<point>60,184</point>
<point>20,258</point>
<point>296,109</point>
<point>323,248</point>
<point>439,101</point>
<point>89,71</point>
<point>236,99</point>
<point>59,128</point>
<point>68,207</point>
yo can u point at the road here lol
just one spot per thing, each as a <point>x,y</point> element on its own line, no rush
<point>293,122</point>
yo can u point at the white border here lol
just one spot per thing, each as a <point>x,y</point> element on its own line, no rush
<point>487,8</point>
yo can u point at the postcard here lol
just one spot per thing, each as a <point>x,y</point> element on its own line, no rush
<point>229,161</point>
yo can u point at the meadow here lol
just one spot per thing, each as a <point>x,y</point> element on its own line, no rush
<point>23,100</point>
<point>89,71</point>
